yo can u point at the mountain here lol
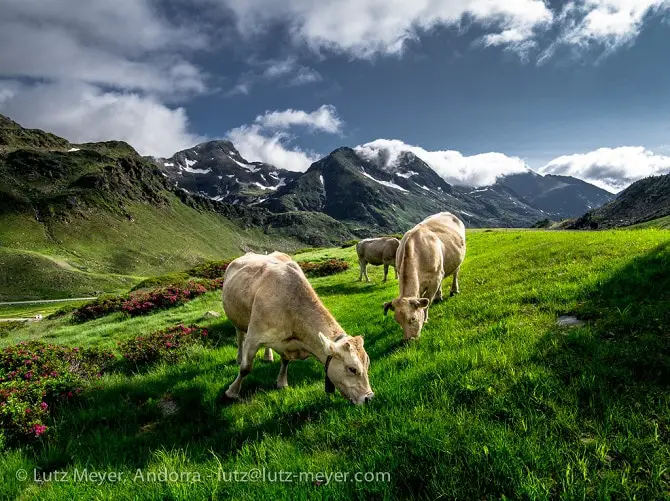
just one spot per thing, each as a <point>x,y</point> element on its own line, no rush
<point>217,170</point>
<point>644,200</point>
<point>88,218</point>
<point>361,192</point>
<point>559,196</point>
<point>367,192</point>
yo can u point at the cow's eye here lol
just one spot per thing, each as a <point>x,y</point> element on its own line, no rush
<point>353,370</point>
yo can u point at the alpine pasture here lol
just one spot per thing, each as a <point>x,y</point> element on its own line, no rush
<point>495,400</point>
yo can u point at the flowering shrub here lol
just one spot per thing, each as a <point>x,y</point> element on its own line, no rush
<point>145,301</point>
<point>167,344</point>
<point>210,269</point>
<point>324,268</point>
<point>36,377</point>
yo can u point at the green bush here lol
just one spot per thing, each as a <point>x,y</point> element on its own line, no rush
<point>307,249</point>
<point>177,278</point>
<point>7,327</point>
<point>167,345</point>
<point>349,243</point>
<point>323,268</point>
<point>543,223</point>
<point>210,269</point>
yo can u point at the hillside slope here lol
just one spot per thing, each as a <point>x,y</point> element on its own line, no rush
<point>562,196</point>
<point>102,209</point>
<point>644,200</point>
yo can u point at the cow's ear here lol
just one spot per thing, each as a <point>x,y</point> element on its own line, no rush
<point>388,306</point>
<point>327,345</point>
<point>423,302</point>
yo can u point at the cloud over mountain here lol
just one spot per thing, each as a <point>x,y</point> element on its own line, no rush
<point>610,168</point>
<point>454,167</point>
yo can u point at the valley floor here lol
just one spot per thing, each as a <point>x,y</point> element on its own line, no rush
<point>494,401</point>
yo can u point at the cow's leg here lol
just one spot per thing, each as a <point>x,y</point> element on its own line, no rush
<point>249,349</point>
<point>282,379</point>
<point>386,271</point>
<point>454,284</point>
<point>268,356</point>
<point>431,292</point>
<point>364,269</point>
<point>438,294</point>
<point>362,265</point>
<point>240,341</point>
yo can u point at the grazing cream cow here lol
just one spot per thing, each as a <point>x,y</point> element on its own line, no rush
<point>271,304</point>
<point>377,251</point>
<point>429,252</point>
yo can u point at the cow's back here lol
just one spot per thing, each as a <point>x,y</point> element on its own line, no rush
<point>451,232</point>
<point>258,281</point>
<point>435,244</point>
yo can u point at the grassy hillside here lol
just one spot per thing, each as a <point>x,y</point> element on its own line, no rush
<point>104,251</point>
<point>662,223</point>
<point>494,401</point>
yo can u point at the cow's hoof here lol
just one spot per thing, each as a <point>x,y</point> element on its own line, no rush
<point>282,386</point>
<point>230,395</point>
<point>453,293</point>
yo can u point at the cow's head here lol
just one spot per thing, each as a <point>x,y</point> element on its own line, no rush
<point>347,368</point>
<point>410,313</point>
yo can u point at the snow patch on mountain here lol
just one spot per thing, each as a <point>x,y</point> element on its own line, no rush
<point>197,171</point>
<point>385,183</point>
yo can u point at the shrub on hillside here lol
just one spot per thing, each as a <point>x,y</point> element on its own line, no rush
<point>145,301</point>
<point>307,249</point>
<point>210,269</point>
<point>543,223</point>
<point>349,243</point>
<point>168,345</point>
<point>35,378</point>
<point>323,268</point>
<point>7,327</point>
<point>178,278</point>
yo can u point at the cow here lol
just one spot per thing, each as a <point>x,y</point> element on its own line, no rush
<point>270,302</point>
<point>377,251</point>
<point>429,252</point>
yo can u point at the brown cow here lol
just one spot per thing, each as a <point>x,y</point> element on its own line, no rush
<point>429,252</point>
<point>377,251</point>
<point>271,304</point>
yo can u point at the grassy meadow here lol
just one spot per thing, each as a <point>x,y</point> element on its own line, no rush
<point>495,401</point>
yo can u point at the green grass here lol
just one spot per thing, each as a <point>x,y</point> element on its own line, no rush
<point>494,401</point>
<point>662,223</point>
<point>104,252</point>
<point>31,309</point>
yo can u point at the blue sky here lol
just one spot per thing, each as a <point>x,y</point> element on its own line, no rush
<point>477,88</point>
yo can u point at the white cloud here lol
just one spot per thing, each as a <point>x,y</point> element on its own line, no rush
<point>123,44</point>
<point>363,28</point>
<point>267,139</point>
<point>605,23</point>
<point>99,70</point>
<point>286,71</point>
<point>82,113</point>
<point>612,169</point>
<point>257,145</point>
<point>455,168</point>
<point>322,119</point>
